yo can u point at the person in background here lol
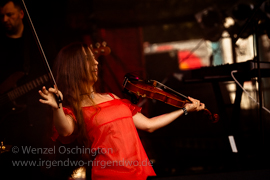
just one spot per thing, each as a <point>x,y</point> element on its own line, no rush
<point>22,119</point>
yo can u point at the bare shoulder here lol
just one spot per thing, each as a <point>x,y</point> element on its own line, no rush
<point>116,97</point>
<point>107,96</point>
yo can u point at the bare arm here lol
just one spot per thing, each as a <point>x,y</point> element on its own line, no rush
<point>152,124</point>
<point>64,124</point>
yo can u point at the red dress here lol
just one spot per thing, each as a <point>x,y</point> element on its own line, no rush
<point>113,135</point>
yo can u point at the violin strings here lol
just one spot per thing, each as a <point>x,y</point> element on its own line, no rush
<point>166,87</point>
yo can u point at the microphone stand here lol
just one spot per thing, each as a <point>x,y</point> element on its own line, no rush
<point>256,62</point>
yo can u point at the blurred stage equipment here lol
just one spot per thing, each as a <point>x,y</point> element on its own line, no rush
<point>4,148</point>
<point>249,20</point>
<point>266,9</point>
<point>245,15</point>
<point>240,13</point>
<point>258,21</point>
<point>215,74</point>
<point>211,21</point>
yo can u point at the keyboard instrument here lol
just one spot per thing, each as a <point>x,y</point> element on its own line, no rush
<point>245,70</point>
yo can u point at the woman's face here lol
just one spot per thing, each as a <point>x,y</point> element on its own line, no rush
<point>92,66</point>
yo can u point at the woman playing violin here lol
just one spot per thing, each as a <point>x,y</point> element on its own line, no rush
<point>101,121</point>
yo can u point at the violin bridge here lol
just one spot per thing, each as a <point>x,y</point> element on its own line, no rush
<point>138,94</point>
<point>155,83</point>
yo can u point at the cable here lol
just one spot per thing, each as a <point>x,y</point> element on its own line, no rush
<point>234,71</point>
<point>192,51</point>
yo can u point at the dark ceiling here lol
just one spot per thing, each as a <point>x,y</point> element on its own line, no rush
<point>162,20</point>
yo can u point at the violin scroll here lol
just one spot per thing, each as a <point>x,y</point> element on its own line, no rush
<point>213,117</point>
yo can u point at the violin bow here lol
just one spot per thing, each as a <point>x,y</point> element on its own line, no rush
<point>168,88</point>
<point>58,98</point>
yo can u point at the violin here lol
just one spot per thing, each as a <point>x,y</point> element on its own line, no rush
<point>137,88</point>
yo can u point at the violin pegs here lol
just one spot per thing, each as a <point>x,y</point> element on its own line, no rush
<point>104,43</point>
<point>100,49</point>
<point>97,45</point>
<point>91,46</point>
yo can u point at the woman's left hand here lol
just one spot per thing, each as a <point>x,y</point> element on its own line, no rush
<point>195,105</point>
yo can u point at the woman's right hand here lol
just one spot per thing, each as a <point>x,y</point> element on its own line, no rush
<point>49,96</point>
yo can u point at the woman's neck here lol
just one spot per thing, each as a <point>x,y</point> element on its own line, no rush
<point>88,99</point>
<point>98,98</point>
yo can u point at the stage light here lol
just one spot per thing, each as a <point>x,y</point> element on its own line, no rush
<point>266,8</point>
<point>241,12</point>
<point>250,20</point>
<point>211,21</point>
<point>265,23</point>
